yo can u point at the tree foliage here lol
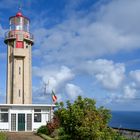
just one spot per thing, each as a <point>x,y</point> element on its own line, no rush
<point>82,120</point>
<point>43,129</point>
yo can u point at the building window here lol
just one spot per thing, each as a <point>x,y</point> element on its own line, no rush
<point>37,110</point>
<point>27,46</point>
<point>4,110</point>
<point>3,117</point>
<point>19,93</point>
<point>19,70</point>
<point>37,117</point>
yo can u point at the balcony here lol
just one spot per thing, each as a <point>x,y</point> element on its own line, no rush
<point>19,35</point>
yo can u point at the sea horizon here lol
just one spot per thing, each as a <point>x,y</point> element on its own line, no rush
<point>125,119</point>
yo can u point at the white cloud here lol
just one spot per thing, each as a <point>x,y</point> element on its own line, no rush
<point>56,78</point>
<point>129,92</point>
<point>111,76</point>
<point>59,97</point>
<point>91,35</point>
<point>135,75</point>
<point>94,34</point>
<point>126,93</point>
<point>82,41</point>
<point>106,72</point>
<point>121,12</point>
<point>73,90</point>
<point>84,35</point>
<point>2,31</point>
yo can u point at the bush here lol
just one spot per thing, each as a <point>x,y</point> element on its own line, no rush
<point>54,133</point>
<point>61,131</point>
<point>82,120</point>
<point>3,136</point>
<point>43,129</point>
<point>65,137</point>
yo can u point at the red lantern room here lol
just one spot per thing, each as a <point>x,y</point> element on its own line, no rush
<point>19,22</point>
<point>19,30</point>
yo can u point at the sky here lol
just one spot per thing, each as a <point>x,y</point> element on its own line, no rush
<point>81,47</point>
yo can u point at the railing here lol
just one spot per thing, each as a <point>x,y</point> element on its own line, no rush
<point>14,34</point>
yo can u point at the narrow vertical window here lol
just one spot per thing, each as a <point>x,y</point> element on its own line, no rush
<point>19,93</point>
<point>19,70</point>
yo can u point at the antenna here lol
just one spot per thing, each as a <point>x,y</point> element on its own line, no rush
<point>20,6</point>
<point>45,87</point>
<point>49,93</point>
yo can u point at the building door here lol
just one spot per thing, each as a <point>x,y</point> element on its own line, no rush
<point>29,122</point>
<point>13,122</point>
<point>21,122</point>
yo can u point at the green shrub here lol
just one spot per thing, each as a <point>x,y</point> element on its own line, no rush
<point>61,131</point>
<point>82,120</point>
<point>3,136</point>
<point>43,129</point>
<point>54,133</point>
<point>65,137</point>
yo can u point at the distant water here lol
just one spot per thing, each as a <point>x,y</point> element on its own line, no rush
<point>125,119</point>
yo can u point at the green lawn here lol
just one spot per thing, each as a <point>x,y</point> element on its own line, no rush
<point>3,136</point>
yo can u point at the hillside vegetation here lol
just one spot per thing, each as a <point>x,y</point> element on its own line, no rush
<point>80,120</point>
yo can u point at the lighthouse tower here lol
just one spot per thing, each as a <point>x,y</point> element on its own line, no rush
<point>19,42</point>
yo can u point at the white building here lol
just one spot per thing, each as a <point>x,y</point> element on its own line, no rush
<point>24,117</point>
<point>19,114</point>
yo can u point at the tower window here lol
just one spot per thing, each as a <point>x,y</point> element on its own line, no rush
<point>19,93</point>
<point>19,70</point>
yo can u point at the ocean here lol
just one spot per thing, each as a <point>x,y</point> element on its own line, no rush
<point>125,119</point>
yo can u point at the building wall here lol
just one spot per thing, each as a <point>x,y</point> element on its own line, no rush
<point>19,73</point>
<point>45,113</point>
<point>4,126</point>
<point>18,90</point>
<point>9,81</point>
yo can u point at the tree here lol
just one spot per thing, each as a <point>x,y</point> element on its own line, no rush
<point>82,120</point>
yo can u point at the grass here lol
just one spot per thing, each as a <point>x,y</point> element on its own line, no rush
<point>3,136</point>
<point>45,137</point>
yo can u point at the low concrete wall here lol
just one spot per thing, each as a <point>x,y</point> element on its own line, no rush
<point>129,133</point>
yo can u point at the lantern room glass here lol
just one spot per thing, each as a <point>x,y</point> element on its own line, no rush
<point>19,23</point>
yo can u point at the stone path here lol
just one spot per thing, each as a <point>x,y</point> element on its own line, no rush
<point>23,136</point>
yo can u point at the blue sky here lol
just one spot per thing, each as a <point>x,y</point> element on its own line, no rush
<point>82,47</point>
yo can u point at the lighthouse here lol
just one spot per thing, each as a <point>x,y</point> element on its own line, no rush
<point>19,114</point>
<point>19,42</point>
